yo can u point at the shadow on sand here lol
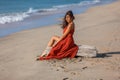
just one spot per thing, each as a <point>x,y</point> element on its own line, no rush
<point>108,54</point>
<point>103,55</point>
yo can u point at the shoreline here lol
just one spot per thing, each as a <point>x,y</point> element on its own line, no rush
<point>36,21</point>
<point>98,26</point>
<point>83,27</point>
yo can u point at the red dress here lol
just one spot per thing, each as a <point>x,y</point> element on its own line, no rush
<point>64,48</point>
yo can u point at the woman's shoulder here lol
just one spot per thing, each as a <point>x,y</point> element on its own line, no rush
<point>71,25</point>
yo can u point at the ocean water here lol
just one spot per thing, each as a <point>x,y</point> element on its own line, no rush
<point>17,15</point>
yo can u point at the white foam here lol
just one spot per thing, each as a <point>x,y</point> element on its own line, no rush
<point>96,1</point>
<point>83,3</point>
<point>31,10</point>
<point>50,9</point>
<point>14,17</point>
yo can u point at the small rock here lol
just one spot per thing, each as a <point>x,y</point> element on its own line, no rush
<point>65,78</point>
<point>85,67</point>
<point>62,67</point>
<point>80,60</point>
<point>66,70</point>
<point>57,70</point>
<point>73,73</point>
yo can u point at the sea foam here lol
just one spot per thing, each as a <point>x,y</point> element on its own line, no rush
<point>14,17</point>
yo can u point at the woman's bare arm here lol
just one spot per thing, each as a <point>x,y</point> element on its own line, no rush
<point>69,28</point>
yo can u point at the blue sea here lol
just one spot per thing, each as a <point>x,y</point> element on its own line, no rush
<point>17,15</point>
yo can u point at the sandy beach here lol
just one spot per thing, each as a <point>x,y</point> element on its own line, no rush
<point>99,26</point>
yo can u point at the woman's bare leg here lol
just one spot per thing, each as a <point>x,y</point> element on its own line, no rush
<point>53,40</point>
<point>50,45</point>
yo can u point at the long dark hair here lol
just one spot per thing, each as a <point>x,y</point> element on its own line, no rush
<point>65,23</point>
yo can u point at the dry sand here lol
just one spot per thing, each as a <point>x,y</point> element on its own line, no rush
<point>99,26</point>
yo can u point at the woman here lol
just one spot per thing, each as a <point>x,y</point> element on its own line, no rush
<point>65,46</point>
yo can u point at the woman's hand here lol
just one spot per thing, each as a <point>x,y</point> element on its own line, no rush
<point>58,40</point>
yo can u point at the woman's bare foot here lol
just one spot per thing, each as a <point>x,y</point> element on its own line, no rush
<point>42,55</point>
<point>37,59</point>
<point>45,53</point>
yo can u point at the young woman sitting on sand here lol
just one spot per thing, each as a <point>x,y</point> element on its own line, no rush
<point>65,46</point>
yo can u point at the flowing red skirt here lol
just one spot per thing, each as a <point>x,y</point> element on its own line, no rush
<point>64,48</point>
